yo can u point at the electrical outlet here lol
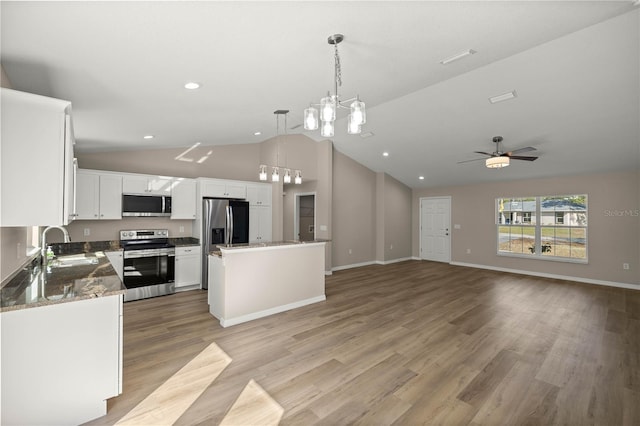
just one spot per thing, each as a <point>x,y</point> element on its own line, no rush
<point>350,251</point>
<point>182,229</point>
<point>20,251</point>
<point>87,232</point>
<point>456,226</point>
<point>391,247</point>
<point>625,266</point>
<point>468,251</point>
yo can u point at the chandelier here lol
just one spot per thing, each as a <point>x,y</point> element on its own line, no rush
<point>330,103</point>
<point>275,173</point>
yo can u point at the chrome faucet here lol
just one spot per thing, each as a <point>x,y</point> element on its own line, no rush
<point>43,251</point>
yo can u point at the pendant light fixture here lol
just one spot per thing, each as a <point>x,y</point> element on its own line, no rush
<point>275,171</point>
<point>329,104</point>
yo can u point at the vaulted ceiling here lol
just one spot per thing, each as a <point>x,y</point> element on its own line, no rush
<point>573,64</point>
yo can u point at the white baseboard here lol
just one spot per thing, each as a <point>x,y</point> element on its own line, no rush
<point>353,265</point>
<point>553,276</point>
<point>276,310</point>
<point>415,258</point>
<point>388,262</point>
<point>327,273</point>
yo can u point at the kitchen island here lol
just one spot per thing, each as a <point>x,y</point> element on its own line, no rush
<point>61,348</point>
<point>250,281</point>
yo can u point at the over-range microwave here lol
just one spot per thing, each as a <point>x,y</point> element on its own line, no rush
<point>146,205</point>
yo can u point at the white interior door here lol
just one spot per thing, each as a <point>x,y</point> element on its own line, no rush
<point>435,229</point>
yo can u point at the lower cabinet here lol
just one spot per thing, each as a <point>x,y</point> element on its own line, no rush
<point>187,266</point>
<point>60,363</point>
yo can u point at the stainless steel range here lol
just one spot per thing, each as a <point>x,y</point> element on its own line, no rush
<point>149,263</point>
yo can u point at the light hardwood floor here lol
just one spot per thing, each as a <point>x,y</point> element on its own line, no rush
<point>409,343</point>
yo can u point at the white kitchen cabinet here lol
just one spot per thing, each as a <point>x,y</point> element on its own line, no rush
<point>223,189</point>
<point>146,184</point>
<point>187,271</point>
<point>260,224</point>
<point>259,194</point>
<point>37,164</point>
<point>116,258</point>
<point>60,363</point>
<point>183,199</point>
<point>99,196</point>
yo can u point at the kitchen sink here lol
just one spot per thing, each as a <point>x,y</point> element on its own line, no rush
<point>73,260</point>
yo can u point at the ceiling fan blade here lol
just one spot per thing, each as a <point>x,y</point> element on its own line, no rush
<point>521,157</point>
<point>484,153</point>
<point>520,150</point>
<point>469,161</point>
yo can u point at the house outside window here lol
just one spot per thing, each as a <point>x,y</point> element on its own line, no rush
<point>550,227</point>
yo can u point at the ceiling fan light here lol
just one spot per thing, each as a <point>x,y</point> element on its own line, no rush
<point>310,118</point>
<point>358,112</point>
<point>497,162</point>
<point>327,129</point>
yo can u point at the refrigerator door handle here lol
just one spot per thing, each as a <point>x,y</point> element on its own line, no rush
<point>227,237</point>
<point>207,226</point>
<point>231,225</point>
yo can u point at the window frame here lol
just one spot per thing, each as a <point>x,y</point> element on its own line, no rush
<point>537,226</point>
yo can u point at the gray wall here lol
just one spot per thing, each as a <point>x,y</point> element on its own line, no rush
<point>612,239</point>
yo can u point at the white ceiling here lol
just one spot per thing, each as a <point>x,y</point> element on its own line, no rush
<point>123,66</point>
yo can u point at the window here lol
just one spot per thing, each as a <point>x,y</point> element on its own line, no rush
<point>552,227</point>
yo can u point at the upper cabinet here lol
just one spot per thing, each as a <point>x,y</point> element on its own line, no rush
<point>38,168</point>
<point>99,195</point>
<point>147,185</point>
<point>183,199</point>
<point>219,188</point>
<point>259,194</point>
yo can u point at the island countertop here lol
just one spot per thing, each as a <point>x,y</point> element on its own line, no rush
<point>271,244</point>
<point>82,276</point>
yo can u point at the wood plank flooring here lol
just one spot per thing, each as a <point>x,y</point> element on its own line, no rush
<point>409,343</point>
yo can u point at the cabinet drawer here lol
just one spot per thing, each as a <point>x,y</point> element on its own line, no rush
<point>188,250</point>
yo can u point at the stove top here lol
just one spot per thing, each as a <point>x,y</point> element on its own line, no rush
<point>143,234</point>
<point>145,239</point>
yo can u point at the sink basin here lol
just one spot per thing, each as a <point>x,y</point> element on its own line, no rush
<point>68,261</point>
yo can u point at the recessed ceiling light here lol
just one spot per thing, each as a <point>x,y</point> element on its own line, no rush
<point>191,85</point>
<point>421,177</point>
<point>503,97</point>
<point>148,136</point>
<point>385,154</point>
<point>257,133</point>
<point>457,56</point>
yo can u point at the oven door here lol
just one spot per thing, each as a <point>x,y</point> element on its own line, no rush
<point>148,267</point>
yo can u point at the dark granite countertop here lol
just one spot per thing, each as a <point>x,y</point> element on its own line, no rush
<point>84,276</point>
<point>88,274</point>
<point>221,247</point>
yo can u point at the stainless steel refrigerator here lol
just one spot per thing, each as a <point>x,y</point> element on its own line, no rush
<point>223,222</point>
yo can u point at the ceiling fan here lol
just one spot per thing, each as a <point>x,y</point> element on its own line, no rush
<point>500,158</point>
